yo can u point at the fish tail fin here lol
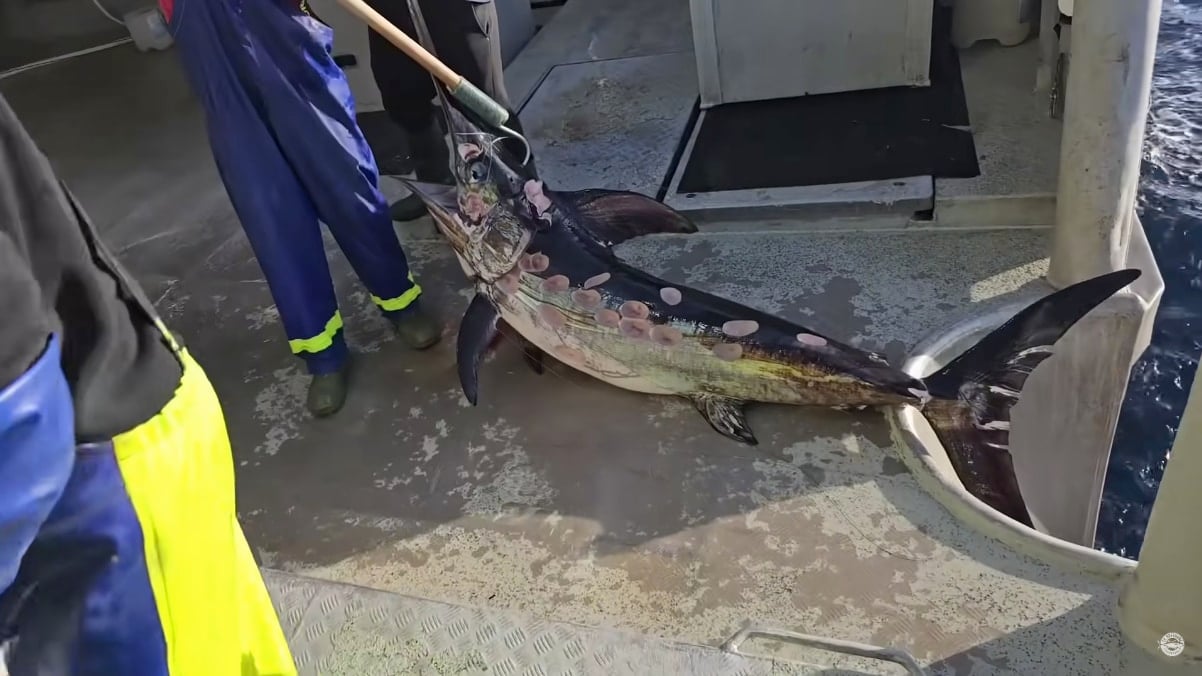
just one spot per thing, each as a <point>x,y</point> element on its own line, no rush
<point>972,396</point>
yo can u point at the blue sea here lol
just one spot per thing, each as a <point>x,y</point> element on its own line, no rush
<point>1170,205</point>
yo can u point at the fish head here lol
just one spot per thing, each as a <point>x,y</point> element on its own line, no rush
<point>487,173</point>
<point>487,249</point>
<point>483,214</point>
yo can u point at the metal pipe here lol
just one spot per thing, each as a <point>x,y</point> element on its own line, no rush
<point>895,655</point>
<point>1049,45</point>
<point>1113,49</point>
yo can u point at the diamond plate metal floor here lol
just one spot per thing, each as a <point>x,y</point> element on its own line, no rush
<point>343,629</point>
<point>611,124</point>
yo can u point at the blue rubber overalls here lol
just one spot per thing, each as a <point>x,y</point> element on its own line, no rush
<point>281,121</point>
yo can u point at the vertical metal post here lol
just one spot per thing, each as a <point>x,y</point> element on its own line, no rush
<point>1113,49</point>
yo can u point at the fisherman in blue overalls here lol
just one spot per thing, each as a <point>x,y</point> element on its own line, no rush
<point>282,127</point>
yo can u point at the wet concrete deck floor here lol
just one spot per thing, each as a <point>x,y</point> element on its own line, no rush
<point>559,496</point>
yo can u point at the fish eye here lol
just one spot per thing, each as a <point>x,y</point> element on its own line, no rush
<point>478,172</point>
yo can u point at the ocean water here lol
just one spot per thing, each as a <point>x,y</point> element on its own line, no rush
<point>1170,206</point>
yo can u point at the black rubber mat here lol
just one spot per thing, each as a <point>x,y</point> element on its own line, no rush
<point>387,142</point>
<point>840,138</point>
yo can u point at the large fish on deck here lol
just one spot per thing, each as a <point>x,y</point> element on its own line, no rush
<point>542,263</point>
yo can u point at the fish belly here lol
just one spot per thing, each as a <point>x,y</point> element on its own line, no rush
<point>593,353</point>
<point>688,367</point>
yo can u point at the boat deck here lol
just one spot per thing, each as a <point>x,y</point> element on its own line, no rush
<point>560,498</point>
<point>615,81</point>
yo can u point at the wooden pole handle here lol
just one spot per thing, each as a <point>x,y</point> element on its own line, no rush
<point>403,42</point>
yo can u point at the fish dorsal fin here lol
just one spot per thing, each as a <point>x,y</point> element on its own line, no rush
<point>614,216</point>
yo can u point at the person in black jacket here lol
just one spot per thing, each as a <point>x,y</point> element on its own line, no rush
<point>466,37</point>
<point>120,549</point>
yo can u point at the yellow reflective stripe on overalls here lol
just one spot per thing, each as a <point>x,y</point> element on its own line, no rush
<point>322,340</point>
<point>400,302</point>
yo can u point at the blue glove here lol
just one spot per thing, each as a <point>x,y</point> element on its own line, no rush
<point>37,453</point>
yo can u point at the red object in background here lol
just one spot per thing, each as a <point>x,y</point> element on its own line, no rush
<point>168,6</point>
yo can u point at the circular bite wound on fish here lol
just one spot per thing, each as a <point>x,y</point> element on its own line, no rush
<point>740,328</point>
<point>535,262</point>
<point>596,280</point>
<point>534,194</point>
<point>509,283</point>
<point>667,336</point>
<point>811,340</point>
<point>587,299</point>
<point>608,318</point>
<point>728,351</point>
<point>552,316</point>
<point>634,309</point>
<point>570,355</point>
<point>639,329</point>
<point>469,151</point>
<point>556,284</point>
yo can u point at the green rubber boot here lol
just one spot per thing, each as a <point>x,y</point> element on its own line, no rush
<point>417,329</point>
<point>327,393</point>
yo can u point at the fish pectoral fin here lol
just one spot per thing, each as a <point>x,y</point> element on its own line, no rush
<point>477,330</point>
<point>531,353</point>
<point>725,415</point>
<point>614,216</point>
